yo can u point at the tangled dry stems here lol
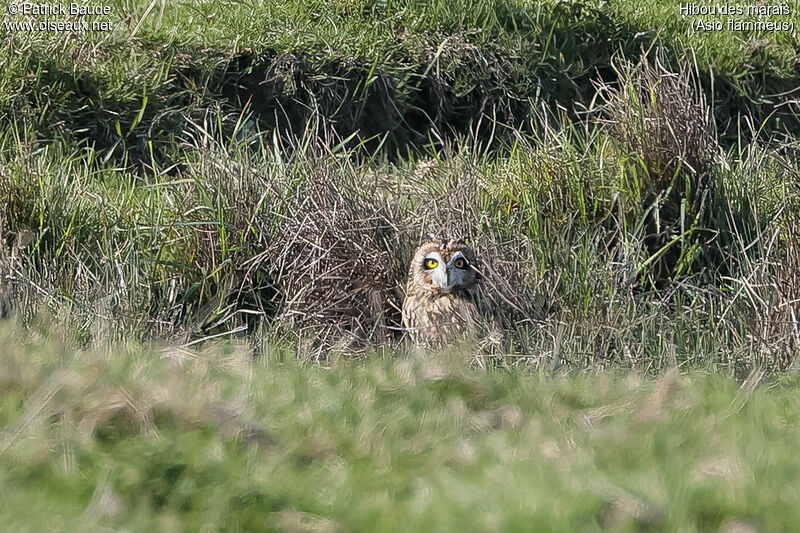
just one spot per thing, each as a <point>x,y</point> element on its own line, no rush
<point>333,262</point>
<point>340,257</point>
<point>662,117</point>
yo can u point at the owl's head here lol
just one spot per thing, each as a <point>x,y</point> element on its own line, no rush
<point>447,265</point>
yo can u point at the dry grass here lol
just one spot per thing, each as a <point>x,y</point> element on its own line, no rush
<point>334,260</point>
<point>662,117</point>
<point>251,237</point>
<point>665,129</point>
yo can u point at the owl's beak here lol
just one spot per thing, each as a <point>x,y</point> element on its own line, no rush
<point>449,283</point>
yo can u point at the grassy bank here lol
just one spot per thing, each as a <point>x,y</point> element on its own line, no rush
<point>380,68</point>
<point>139,438</point>
<point>208,170</point>
<point>618,245</point>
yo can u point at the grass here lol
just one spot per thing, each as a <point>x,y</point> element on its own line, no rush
<point>206,216</point>
<point>600,248</point>
<point>136,438</point>
<point>376,67</point>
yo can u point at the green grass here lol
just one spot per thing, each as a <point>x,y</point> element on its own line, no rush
<point>117,254</point>
<point>183,197</point>
<point>443,61</point>
<point>135,438</point>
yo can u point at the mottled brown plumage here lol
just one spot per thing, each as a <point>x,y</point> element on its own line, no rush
<point>438,308</point>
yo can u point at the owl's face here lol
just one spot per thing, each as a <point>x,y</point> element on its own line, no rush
<point>449,266</point>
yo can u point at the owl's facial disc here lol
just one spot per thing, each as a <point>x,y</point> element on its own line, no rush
<point>457,271</point>
<point>447,276</point>
<point>436,268</point>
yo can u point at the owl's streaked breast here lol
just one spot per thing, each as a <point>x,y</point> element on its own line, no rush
<point>437,320</point>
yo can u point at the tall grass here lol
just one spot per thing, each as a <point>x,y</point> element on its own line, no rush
<point>633,240</point>
<point>270,176</point>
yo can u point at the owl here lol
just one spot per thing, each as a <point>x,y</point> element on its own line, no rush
<point>438,308</point>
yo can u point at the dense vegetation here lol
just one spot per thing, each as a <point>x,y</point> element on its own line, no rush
<point>206,169</point>
<point>199,202</point>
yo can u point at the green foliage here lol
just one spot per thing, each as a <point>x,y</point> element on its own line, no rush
<point>129,437</point>
<point>442,65</point>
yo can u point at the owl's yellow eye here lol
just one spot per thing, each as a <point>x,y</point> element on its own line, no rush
<point>431,263</point>
<point>460,263</point>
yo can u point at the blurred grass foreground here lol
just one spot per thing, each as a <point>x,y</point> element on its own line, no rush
<point>207,211</point>
<point>139,439</point>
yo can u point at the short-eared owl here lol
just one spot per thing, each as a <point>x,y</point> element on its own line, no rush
<point>438,308</point>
